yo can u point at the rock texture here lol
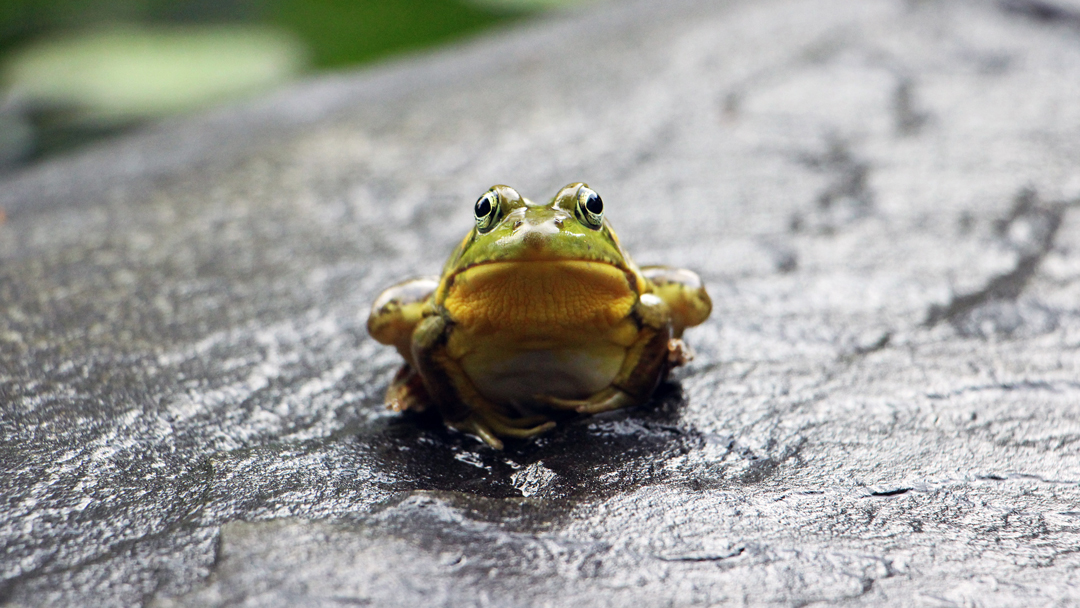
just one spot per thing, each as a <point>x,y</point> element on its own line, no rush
<point>884,409</point>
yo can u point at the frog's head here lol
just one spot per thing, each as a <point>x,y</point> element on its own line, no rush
<point>524,261</point>
<point>540,265</point>
<point>511,228</point>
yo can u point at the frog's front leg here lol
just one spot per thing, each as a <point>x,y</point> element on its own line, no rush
<point>647,361</point>
<point>461,405</point>
<point>683,292</point>
<point>393,318</point>
<point>398,310</point>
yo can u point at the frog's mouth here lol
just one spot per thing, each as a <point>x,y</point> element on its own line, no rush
<point>541,294</point>
<point>542,235</point>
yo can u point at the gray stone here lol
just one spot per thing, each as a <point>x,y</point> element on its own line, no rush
<point>884,408</point>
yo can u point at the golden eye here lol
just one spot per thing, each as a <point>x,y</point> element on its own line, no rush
<point>486,210</point>
<point>591,208</point>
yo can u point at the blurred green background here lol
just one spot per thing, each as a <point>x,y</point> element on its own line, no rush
<point>75,71</point>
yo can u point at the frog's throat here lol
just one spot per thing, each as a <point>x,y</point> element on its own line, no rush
<point>526,297</point>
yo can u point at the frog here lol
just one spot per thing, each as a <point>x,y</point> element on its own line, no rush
<point>539,312</point>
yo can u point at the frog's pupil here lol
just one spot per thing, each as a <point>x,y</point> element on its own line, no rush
<point>594,204</point>
<point>483,206</point>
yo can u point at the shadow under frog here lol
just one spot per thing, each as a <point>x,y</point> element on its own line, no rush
<point>584,457</point>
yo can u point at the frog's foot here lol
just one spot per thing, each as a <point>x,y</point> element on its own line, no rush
<point>678,353</point>
<point>606,400</point>
<point>406,391</point>
<point>472,426</point>
<point>489,426</point>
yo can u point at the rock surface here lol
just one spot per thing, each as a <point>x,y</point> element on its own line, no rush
<point>884,409</point>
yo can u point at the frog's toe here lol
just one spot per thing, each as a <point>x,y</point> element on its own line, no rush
<point>561,404</point>
<point>604,401</point>
<point>495,416</point>
<point>523,432</point>
<point>678,353</point>
<point>506,426</point>
<point>473,426</point>
<point>406,391</point>
<point>490,426</point>
<point>617,400</point>
<point>399,400</point>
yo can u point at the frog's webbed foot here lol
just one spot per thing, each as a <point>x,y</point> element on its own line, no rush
<point>406,391</point>
<point>490,425</point>
<point>606,400</point>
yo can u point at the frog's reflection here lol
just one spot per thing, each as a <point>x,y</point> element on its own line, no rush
<point>582,457</point>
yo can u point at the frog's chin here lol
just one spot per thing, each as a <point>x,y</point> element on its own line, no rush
<point>544,254</point>
<point>519,297</point>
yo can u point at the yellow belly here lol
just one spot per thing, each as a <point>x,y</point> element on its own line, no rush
<point>523,329</point>
<point>516,377</point>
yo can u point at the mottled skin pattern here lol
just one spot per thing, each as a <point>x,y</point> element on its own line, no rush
<point>538,309</point>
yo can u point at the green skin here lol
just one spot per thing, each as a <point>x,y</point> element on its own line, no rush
<point>577,241</point>
<point>413,315</point>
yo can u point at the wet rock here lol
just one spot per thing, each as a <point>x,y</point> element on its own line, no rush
<point>883,409</point>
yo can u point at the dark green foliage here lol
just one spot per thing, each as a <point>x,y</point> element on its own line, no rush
<point>337,32</point>
<point>342,32</point>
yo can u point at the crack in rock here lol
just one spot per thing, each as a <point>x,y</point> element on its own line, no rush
<point>702,558</point>
<point>846,199</point>
<point>1029,228</point>
<point>895,492</point>
<point>1041,10</point>
<point>1025,385</point>
<point>908,117</point>
<point>760,468</point>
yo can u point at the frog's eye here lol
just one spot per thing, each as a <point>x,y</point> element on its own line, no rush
<point>486,210</point>
<point>591,208</point>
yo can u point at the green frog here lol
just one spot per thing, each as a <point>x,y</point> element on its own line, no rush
<point>538,309</point>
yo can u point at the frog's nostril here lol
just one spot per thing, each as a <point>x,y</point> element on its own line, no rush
<point>517,224</point>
